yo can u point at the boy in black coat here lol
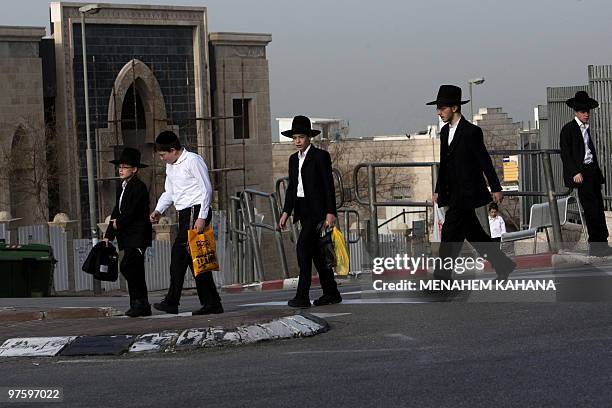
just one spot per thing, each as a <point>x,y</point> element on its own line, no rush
<point>461,186</point>
<point>311,198</point>
<point>130,224</point>
<point>581,171</point>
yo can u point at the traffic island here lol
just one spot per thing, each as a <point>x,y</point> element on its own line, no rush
<point>122,336</point>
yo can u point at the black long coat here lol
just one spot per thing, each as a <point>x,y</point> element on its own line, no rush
<point>318,183</point>
<point>572,153</point>
<point>460,181</point>
<point>133,225</point>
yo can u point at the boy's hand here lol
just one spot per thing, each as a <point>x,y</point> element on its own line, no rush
<point>154,217</point>
<point>282,223</point>
<point>578,178</point>
<point>330,220</point>
<point>114,224</point>
<point>498,197</point>
<point>199,225</point>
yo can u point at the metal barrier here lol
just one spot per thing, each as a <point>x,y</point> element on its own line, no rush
<point>252,224</point>
<point>372,202</point>
<point>550,194</point>
<point>281,189</point>
<point>241,247</point>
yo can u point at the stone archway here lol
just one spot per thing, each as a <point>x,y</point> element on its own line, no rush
<point>135,83</point>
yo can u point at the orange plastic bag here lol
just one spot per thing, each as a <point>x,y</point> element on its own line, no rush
<point>203,249</point>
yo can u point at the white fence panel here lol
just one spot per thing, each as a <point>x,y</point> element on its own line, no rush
<point>59,243</point>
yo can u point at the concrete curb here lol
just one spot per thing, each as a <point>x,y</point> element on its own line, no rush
<point>543,260</point>
<point>299,325</point>
<point>570,259</point>
<point>289,283</point>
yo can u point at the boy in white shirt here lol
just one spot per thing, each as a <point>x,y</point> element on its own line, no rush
<point>188,187</point>
<point>497,226</point>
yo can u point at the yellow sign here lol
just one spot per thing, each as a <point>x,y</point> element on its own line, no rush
<point>511,171</point>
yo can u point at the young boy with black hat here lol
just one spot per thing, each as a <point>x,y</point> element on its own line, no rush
<point>581,171</point>
<point>130,224</point>
<point>311,198</point>
<point>188,187</point>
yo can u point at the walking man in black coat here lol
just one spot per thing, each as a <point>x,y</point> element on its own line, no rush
<point>312,199</point>
<point>462,188</point>
<point>130,224</point>
<point>581,171</point>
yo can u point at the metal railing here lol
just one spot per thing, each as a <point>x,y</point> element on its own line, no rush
<point>551,194</point>
<point>246,247</point>
<point>372,201</point>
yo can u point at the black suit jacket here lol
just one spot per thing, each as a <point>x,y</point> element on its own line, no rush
<point>133,226</point>
<point>460,181</point>
<point>572,153</point>
<point>318,183</point>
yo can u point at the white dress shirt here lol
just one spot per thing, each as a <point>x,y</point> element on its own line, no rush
<point>187,184</point>
<point>497,226</point>
<point>123,184</point>
<point>301,158</point>
<point>584,128</point>
<point>451,131</point>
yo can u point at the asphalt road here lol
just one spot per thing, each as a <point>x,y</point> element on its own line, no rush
<point>401,353</point>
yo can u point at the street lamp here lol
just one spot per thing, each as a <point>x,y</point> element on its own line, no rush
<point>93,222</point>
<point>481,212</point>
<point>475,81</point>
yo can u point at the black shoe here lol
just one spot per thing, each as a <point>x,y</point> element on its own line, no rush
<point>441,295</point>
<point>328,300</point>
<point>504,272</point>
<point>206,310</point>
<point>163,306</point>
<point>600,249</point>
<point>139,309</point>
<point>299,302</point>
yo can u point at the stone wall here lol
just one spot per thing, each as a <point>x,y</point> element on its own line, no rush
<point>23,186</point>
<point>239,71</point>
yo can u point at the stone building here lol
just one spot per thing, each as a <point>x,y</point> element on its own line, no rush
<point>500,133</point>
<point>23,174</point>
<point>150,68</point>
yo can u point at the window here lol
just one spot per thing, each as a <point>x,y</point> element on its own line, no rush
<point>241,118</point>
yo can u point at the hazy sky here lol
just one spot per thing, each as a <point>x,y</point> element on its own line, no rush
<point>376,63</point>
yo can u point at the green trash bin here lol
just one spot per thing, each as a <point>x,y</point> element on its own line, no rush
<point>26,270</point>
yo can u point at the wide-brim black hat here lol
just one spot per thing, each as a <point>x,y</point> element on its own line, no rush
<point>582,101</point>
<point>448,95</point>
<point>129,156</point>
<point>301,126</point>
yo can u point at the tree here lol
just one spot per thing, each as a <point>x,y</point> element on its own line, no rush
<point>25,171</point>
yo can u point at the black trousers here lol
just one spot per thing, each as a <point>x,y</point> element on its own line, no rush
<point>462,224</point>
<point>307,252</point>
<point>591,201</point>
<point>181,259</point>
<point>133,270</point>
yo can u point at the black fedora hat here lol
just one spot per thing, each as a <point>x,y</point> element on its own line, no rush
<point>130,156</point>
<point>301,126</point>
<point>582,101</point>
<point>448,95</point>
